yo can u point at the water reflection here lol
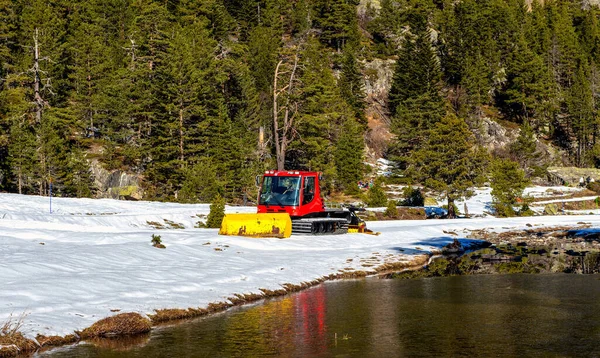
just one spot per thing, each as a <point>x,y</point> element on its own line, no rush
<point>499,315</point>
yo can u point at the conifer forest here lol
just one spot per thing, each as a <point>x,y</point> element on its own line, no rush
<point>197,97</point>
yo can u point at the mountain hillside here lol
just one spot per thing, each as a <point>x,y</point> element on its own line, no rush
<point>182,100</point>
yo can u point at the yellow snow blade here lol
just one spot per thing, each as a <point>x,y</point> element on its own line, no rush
<point>257,225</point>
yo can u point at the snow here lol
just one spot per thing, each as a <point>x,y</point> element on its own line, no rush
<point>89,259</point>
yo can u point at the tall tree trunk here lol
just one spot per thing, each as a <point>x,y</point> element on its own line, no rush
<point>284,131</point>
<point>39,102</point>
<point>279,152</point>
<point>181,157</point>
<point>20,180</point>
<point>451,212</point>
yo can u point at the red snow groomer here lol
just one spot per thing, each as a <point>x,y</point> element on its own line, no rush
<point>290,203</point>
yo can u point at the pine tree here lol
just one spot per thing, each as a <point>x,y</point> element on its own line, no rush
<point>178,124</point>
<point>321,112</point>
<point>582,114</point>
<point>349,157</point>
<point>201,183</point>
<point>135,88</point>
<point>524,148</point>
<point>8,35</point>
<point>564,52</point>
<point>508,182</point>
<point>387,27</point>
<point>391,211</point>
<point>449,161</point>
<point>263,46</point>
<point>376,196</point>
<point>8,50</point>
<point>337,19</point>
<point>414,99</point>
<point>217,212</point>
<point>527,87</point>
<point>351,85</point>
<point>88,67</point>
<point>417,71</point>
<point>47,24</point>
<point>21,155</point>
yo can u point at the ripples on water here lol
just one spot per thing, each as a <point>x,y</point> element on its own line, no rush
<point>493,315</point>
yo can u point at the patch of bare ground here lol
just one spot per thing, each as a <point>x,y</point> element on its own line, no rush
<point>570,195</point>
<point>579,205</point>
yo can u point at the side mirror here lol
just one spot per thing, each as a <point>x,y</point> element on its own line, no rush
<point>257,180</point>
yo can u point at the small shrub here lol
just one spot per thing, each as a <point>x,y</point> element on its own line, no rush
<point>456,211</point>
<point>526,211</point>
<point>121,324</point>
<point>412,197</point>
<point>157,242</point>
<point>217,212</point>
<point>392,210</point>
<point>376,196</point>
<point>503,210</point>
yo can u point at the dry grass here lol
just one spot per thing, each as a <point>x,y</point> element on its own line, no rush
<point>12,341</point>
<point>50,341</point>
<point>240,299</point>
<point>273,293</point>
<point>121,324</point>
<point>173,314</point>
<point>568,195</point>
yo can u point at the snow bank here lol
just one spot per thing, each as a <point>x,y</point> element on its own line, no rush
<point>91,258</point>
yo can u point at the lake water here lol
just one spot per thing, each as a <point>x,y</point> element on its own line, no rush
<point>517,315</point>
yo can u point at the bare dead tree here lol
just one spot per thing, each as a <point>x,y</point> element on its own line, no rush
<point>40,84</point>
<point>37,98</point>
<point>284,114</point>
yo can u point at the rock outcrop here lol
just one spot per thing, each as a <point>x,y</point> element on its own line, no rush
<point>571,175</point>
<point>378,75</point>
<point>115,184</point>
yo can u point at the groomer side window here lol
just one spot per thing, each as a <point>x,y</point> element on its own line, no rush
<point>309,190</point>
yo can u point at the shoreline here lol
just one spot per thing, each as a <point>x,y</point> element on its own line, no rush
<point>162,316</point>
<point>534,251</point>
<point>119,325</point>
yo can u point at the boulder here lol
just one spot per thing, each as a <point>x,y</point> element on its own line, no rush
<point>429,201</point>
<point>551,209</point>
<point>115,184</point>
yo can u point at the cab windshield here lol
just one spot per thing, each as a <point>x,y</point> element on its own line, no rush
<point>281,191</point>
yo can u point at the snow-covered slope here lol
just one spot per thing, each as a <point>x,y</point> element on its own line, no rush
<point>90,258</point>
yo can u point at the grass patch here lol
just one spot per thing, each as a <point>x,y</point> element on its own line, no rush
<point>174,314</point>
<point>51,341</point>
<point>155,225</point>
<point>273,293</point>
<point>173,224</point>
<point>121,324</point>
<point>12,341</point>
<point>240,299</point>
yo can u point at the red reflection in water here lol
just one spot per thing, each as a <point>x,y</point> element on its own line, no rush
<point>310,319</point>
